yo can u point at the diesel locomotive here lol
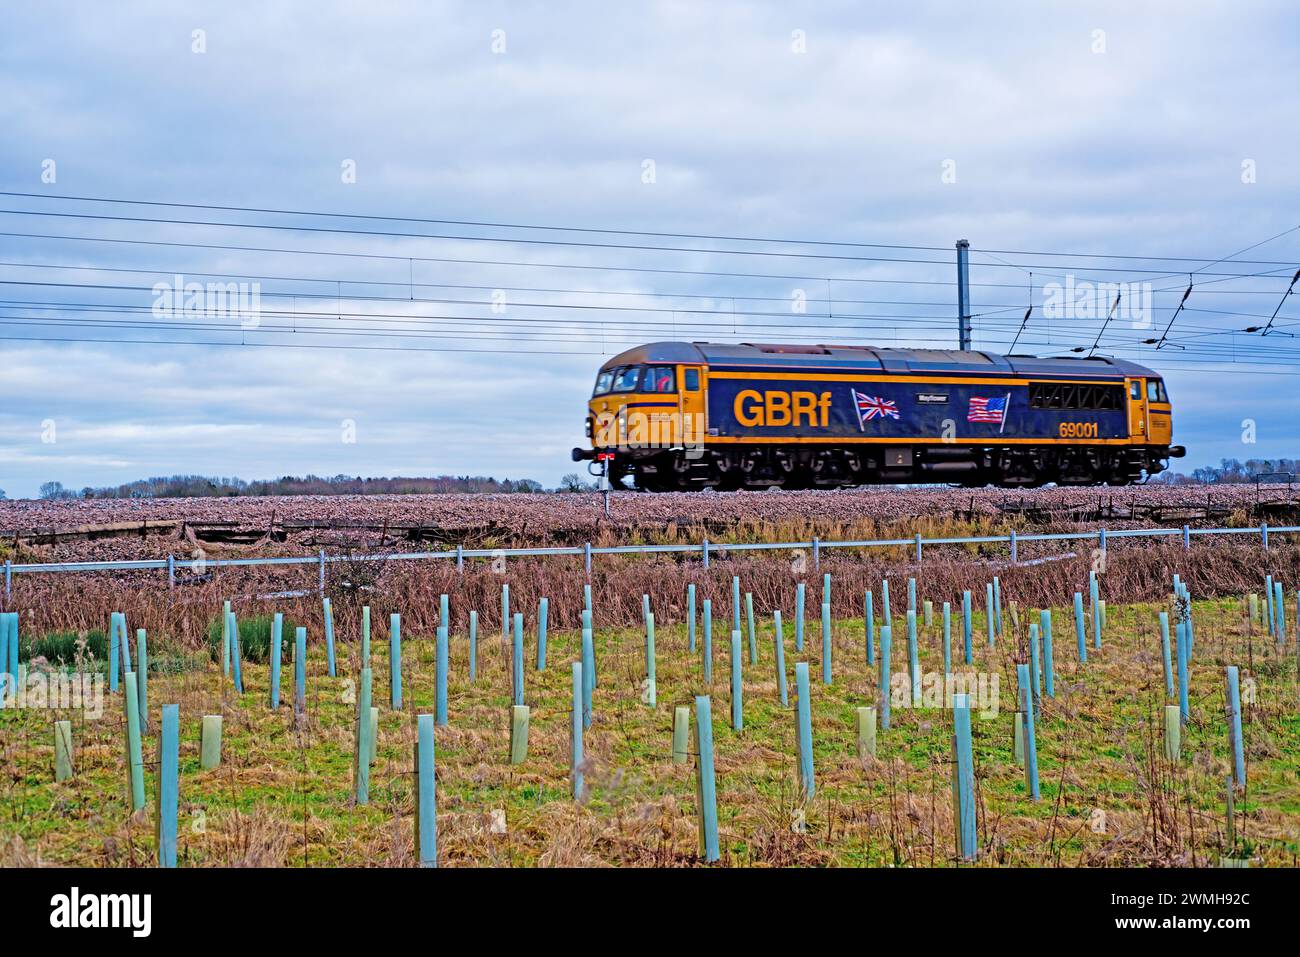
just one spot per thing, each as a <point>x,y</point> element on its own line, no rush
<point>676,416</point>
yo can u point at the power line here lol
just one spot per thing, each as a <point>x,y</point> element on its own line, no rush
<point>623,247</point>
<point>771,240</point>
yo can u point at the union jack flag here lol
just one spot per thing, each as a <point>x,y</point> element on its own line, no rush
<point>873,407</point>
<point>984,409</point>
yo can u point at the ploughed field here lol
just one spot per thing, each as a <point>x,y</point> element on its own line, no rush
<point>104,529</point>
<point>283,793</point>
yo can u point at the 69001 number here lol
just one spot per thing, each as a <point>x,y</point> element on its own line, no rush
<point>1078,430</point>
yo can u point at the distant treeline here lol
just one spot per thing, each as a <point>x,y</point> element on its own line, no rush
<point>203,486</point>
<point>1234,472</point>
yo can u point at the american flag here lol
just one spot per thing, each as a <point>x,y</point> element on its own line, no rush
<point>985,409</point>
<point>873,407</point>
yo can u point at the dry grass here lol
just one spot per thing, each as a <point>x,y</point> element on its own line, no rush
<point>283,794</point>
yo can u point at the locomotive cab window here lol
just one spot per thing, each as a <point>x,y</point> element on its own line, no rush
<point>625,380</point>
<point>1135,389</point>
<point>1076,396</point>
<point>691,380</point>
<point>1156,391</point>
<point>659,379</point>
<point>603,382</point>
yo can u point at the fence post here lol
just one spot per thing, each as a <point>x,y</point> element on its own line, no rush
<point>817,553</point>
<point>9,571</point>
<point>586,558</point>
<point>1187,537</point>
<point>704,551</point>
<point>460,559</point>
<point>918,548</point>
<point>322,571</point>
<point>426,794</point>
<point>705,785</point>
<point>1014,559</point>
<point>1263,533</point>
<point>171,572</point>
<point>1101,541</point>
<point>473,646</point>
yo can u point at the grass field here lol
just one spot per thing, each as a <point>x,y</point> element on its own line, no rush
<point>282,796</point>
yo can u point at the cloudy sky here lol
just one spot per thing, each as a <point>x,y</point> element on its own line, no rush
<point>1031,129</point>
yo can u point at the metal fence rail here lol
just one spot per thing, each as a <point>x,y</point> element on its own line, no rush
<point>705,549</point>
